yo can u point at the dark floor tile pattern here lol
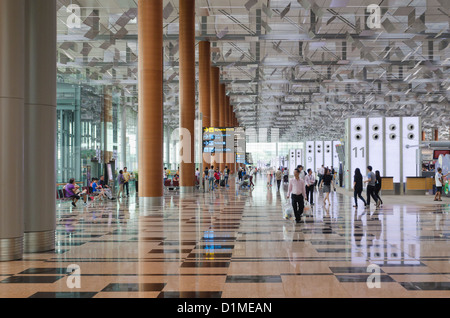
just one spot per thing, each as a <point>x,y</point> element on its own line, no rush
<point>240,238</point>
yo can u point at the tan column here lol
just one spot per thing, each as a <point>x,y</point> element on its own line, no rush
<point>436,135</point>
<point>229,158</point>
<point>227,111</point>
<point>150,118</point>
<point>205,89</point>
<point>214,119</point>
<point>187,95</point>
<point>215,100</point>
<point>222,100</point>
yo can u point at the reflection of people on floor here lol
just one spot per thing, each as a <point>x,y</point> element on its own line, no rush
<point>357,227</point>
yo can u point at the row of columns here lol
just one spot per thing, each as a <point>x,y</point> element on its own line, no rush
<point>214,104</point>
<point>27,127</point>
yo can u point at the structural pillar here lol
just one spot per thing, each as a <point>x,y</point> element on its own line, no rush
<point>205,90</point>
<point>187,95</point>
<point>215,96</point>
<point>40,126</point>
<point>12,35</point>
<point>215,99</point>
<point>150,117</point>
<point>222,101</point>
<point>436,134</point>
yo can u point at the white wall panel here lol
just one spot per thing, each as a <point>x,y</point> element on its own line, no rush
<point>358,147</point>
<point>319,154</point>
<point>310,156</point>
<point>375,146</point>
<point>291,161</point>
<point>411,137</point>
<point>336,161</point>
<point>298,157</point>
<point>328,154</point>
<point>392,135</point>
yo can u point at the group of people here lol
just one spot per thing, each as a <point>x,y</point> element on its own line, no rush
<point>100,188</point>
<point>374,183</point>
<point>123,180</point>
<point>176,176</point>
<point>215,177</point>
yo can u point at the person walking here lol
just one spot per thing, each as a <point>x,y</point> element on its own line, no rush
<point>326,185</point>
<point>439,179</point>
<point>371,181</point>
<point>126,176</point>
<point>226,175</point>
<point>278,177</point>
<point>302,173</point>
<point>250,174</point>
<point>211,178</point>
<point>378,187</point>
<point>320,174</point>
<point>358,187</point>
<point>333,174</point>
<point>297,193</point>
<point>310,181</point>
<point>120,181</point>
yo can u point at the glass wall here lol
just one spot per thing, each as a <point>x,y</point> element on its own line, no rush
<point>88,130</point>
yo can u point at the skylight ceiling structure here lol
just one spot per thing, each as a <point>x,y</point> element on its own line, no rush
<point>302,67</point>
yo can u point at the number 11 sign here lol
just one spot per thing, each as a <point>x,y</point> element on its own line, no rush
<point>358,146</point>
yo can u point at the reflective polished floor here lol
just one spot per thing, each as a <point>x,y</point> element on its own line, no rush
<point>233,243</point>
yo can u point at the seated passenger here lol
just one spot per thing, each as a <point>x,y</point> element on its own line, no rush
<point>73,192</point>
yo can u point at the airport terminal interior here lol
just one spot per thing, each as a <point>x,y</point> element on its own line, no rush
<point>217,148</point>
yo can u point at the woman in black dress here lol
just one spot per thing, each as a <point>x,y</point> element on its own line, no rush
<point>378,188</point>
<point>358,187</point>
<point>326,182</point>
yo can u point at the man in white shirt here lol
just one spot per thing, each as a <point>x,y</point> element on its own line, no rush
<point>439,178</point>
<point>302,174</point>
<point>250,174</point>
<point>310,181</point>
<point>297,192</point>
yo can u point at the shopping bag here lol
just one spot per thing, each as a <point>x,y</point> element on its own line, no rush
<point>307,207</point>
<point>288,210</point>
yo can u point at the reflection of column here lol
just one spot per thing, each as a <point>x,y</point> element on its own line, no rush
<point>187,95</point>
<point>40,126</point>
<point>150,25</point>
<point>11,128</point>
<point>205,89</point>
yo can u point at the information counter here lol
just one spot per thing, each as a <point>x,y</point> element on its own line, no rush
<point>418,185</point>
